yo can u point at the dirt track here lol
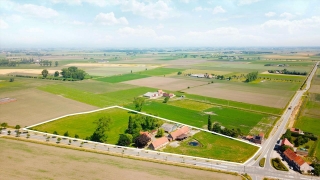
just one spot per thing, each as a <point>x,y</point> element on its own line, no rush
<point>23,160</point>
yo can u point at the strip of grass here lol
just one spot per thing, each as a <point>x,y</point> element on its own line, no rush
<point>261,162</point>
<point>235,104</point>
<point>160,71</point>
<point>215,147</point>
<point>228,117</point>
<point>84,125</point>
<point>190,104</point>
<point>278,165</point>
<point>121,78</point>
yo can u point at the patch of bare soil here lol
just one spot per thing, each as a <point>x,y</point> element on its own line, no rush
<point>34,106</point>
<point>294,114</point>
<point>24,71</point>
<point>23,160</point>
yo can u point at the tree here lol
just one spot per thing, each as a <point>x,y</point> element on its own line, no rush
<point>73,72</point>
<point>11,79</point>
<point>28,135</point>
<point>142,140</point>
<point>166,99</point>
<point>285,147</point>
<point>216,128</point>
<point>160,132</point>
<point>130,125</point>
<point>55,132</point>
<point>45,73</point>
<point>56,63</point>
<point>70,141</point>
<point>138,103</point>
<point>125,139</point>
<point>56,74</point>
<point>58,140</point>
<point>99,135</point>
<point>17,127</point>
<point>209,123</point>
<point>76,136</point>
<point>179,73</point>
<point>4,125</point>
<point>316,170</point>
<point>251,76</point>
<point>66,134</point>
<point>9,132</point>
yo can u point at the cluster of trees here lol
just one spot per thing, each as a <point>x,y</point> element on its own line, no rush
<point>316,170</point>
<point>137,124</point>
<point>45,63</point>
<point>138,103</point>
<point>73,72</point>
<point>300,138</point>
<point>216,127</point>
<point>45,73</point>
<point>251,76</point>
<point>7,63</point>
<point>285,71</point>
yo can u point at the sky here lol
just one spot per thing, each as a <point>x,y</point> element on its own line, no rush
<point>158,23</point>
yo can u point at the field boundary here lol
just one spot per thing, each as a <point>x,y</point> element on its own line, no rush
<point>120,107</point>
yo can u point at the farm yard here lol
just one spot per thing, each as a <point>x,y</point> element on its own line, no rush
<point>213,146</point>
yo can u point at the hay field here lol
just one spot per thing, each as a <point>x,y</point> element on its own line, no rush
<point>165,83</point>
<point>23,160</point>
<point>260,96</point>
<point>315,86</point>
<point>35,106</point>
<point>26,71</point>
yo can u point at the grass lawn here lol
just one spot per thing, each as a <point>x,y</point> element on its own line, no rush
<point>228,117</point>
<point>215,147</point>
<point>190,104</point>
<point>84,125</point>
<point>121,78</point>
<point>318,150</point>
<point>160,71</point>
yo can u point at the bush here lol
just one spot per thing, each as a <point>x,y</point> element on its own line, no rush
<point>278,165</point>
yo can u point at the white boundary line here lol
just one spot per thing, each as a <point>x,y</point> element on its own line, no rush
<point>168,120</point>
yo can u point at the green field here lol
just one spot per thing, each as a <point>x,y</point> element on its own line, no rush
<point>121,78</point>
<point>100,100</point>
<point>84,125</point>
<point>235,104</point>
<point>215,147</point>
<point>228,117</point>
<point>309,124</point>
<point>190,104</point>
<point>160,71</point>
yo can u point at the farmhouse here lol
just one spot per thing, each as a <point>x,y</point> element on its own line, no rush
<point>286,143</point>
<point>296,161</point>
<point>256,139</point>
<point>168,127</point>
<point>296,130</point>
<point>146,133</point>
<point>154,95</point>
<point>159,143</point>
<point>170,95</point>
<point>180,133</point>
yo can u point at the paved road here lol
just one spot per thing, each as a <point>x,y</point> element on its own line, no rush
<point>250,167</point>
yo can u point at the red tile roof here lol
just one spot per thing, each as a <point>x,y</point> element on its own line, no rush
<point>293,157</point>
<point>146,133</point>
<point>183,130</point>
<point>159,142</point>
<point>286,142</point>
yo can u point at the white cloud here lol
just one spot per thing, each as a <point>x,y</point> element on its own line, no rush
<point>160,26</point>
<point>78,23</point>
<point>199,8</point>
<point>110,19</point>
<point>34,30</point>
<point>157,10</point>
<point>108,38</point>
<point>287,15</point>
<point>292,26</point>
<point>140,31</point>
<point>70,2</point>
<point>246,2</point>
<point>100,3</point>
<point>37,11</point>
<point>3,24</point>
<point>270,14</point>
<point>218,9</point>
